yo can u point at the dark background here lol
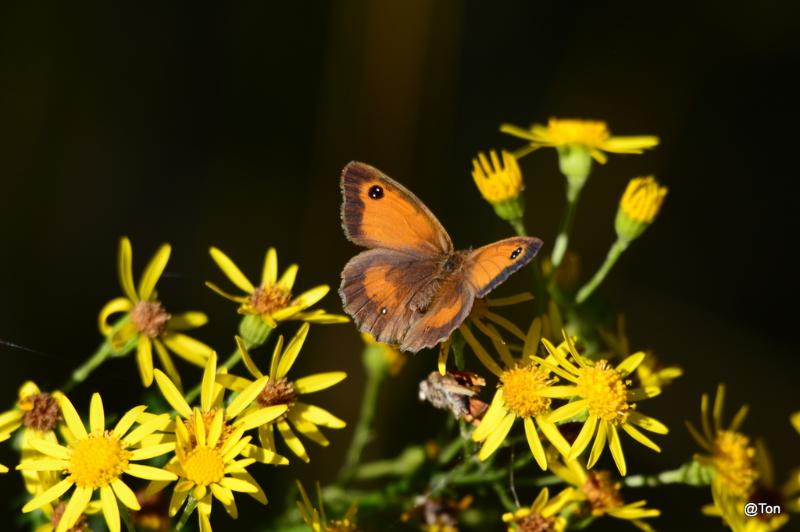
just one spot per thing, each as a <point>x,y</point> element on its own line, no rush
<point>229,126</point>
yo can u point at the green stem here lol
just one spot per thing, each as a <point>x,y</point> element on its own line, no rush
<point>375,366</point>
<point>191,504</point>
<point>125,515</point>
<point>505,500</point>
<point>613,255</point>
<point>82,373</point>
<point>562,240</point>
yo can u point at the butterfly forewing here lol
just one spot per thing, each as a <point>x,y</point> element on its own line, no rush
<point>378,212</point>
<point>488,266</point>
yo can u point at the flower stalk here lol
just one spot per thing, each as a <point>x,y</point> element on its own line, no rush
<point>614,253</point>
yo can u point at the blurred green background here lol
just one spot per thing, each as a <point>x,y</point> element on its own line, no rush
<point>228,125</point>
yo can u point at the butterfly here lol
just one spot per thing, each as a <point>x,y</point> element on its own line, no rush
<point>412,288</point>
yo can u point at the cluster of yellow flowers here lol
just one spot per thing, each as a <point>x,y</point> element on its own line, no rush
<point>202,451</point>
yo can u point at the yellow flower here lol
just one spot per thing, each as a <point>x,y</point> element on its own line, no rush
<point>521,394</point>
<point>602,494</point>
<point>638,207</point>
<point>730,453</point>
<point>96,460</point>
<point>208,441</point>
<point>272,300</point>
<point>542,515</point>
<point>602,394</point>
<point>593,136</point>
<point>316,519</point>
<point>500,183</point>
<point>276,389</point>
<point>146,322</point>
<point>38,414</point>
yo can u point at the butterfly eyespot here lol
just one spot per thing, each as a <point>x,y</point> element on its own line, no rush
<point>515,253</point>
<point>384,310</point>
<point>376,192</point>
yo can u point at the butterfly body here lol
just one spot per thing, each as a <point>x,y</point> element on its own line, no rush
<point>412,288</point>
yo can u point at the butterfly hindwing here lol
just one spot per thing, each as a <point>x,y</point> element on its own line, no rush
<point>377,289</point>
<point>488,266</point>
<point>448,310</point>
<point>378,212</point>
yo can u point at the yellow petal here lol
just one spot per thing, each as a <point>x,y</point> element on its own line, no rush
<point>176,501</point>
<point>567,411</point>
<point>51,449</point>
<point>48,496</point>
<point>145,429</point>
<point>320,381</point>
<point>264,456</point>
<point>496,438</point>
<point>215,429</point>
<point>248,361</point>
<point>287,279</point>
<point>648,423</point>
<point>318,416</point>
<point>261,416</point>
<point>151,451</point>
<point>269,272</point>
<point>75,507</point>
<point>641,438</point>
<point>496,412</point>
<point>276,358</point>
<point>616,449</point>
<point>144,359</point>
<point>599,444</point>
<point>535,444</point>
<point>207,386</point>
<point>166,363</point>
<point>584,437</point>
<point>236,484</point>
<point>71,417</point>
<point>226,295</point>
<point>125,269</point>
<point>110,508</point>
<point>43,464</point>
<point>480,351</point>
<point>633,144</point>
<point>309,430</point>
<point>291,352</point>
<point>292,441</point>
<point>172,395</point>
<point>187,348</point>
<point>119,304</point>
<point>553,435</point>
<point>187,320</point>
<point>127,420</point>
<point>245,397</point>
<point>231,270</point>
<point>153,271</point>
<point>630,363</point>
<point>125,494</point>
<point>150,472</point>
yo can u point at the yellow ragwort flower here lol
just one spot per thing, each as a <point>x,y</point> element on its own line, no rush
<point>602,494</point>
<point>38,415</point>
<point>96,460</point>
<point>602,394</point>
<point>542,515</point>
<point>497,181</point>
<point>278,390</point>
<point>208,441</point>
<point>316,519</point>
<point>731,455</point>
<point>521,394</point>
<point>591,135</point>
<point>638,207</point>
<point>146,322</point>
<point>272,300</point>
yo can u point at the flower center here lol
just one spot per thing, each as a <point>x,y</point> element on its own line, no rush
<point>584,132</point>
<point>601,492</point>
<point>42,412</point>
<point>519,390</point>
<point>203,465</point>
<point>268,299</point>
<point>602,386</point>
<point>80,525</point>
<point>150,318</point>
<point>536,523</point>
<point>97,460</point>
<point>280,392</point>
<point>734,462</point>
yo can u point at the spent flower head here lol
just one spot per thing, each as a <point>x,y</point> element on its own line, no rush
<point>145,322</point>
<point>95,460</point>
<point>272,299</point>
<point>602,396</point>
<point>276,389</point>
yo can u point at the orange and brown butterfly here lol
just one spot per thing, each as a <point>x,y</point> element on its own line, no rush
<point>412,288</point>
